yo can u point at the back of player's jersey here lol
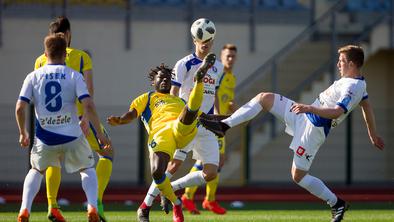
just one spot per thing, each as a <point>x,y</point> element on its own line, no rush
<point>184,78</point>
<point>55,89</point>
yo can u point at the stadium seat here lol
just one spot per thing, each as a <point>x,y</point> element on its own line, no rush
<point>355,5</point>
<point>272,4</point>
<point>291,4</point>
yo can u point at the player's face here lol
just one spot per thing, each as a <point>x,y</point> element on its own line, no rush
<point>343,65</point>
<point>228,58</point>
<point>203,48</point>
<point>162,82</point>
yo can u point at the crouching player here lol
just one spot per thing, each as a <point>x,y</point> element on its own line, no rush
<point>170,124</point>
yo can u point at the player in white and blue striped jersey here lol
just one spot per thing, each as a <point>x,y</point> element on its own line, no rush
<point>54,89</point>
<point>310,124</point>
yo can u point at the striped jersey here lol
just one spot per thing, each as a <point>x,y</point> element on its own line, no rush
<point>183,77</point>
<point>54,90</point>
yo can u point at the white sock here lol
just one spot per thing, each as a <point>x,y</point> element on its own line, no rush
<point>244,113</point>
<point>316,187</point>
<point>31,186</point>
<point>153,191</point>
<point>192,179</point>
<point>89,185</point>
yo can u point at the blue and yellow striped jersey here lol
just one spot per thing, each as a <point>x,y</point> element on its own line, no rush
<point>225,92</point>
<point>157,109</point>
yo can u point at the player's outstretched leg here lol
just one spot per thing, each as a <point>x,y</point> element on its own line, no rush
<point>189,113</point>
<point>338,210</point>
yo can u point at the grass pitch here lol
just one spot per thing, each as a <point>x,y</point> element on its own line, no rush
<point>252,212</point>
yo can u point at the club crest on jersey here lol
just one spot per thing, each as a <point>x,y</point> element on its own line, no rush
<point>57,120</point>
<point>159,102</point>
<point>214,69</point>
<point>300,151</point>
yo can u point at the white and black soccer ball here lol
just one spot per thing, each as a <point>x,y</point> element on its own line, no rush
<point>203,29</point>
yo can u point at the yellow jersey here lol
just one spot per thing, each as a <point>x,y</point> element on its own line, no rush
<point>75,59</point>
<point>157,110</point>
<point>225,92</point>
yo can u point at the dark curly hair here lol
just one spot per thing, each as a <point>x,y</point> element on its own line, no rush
<point>153,72</point>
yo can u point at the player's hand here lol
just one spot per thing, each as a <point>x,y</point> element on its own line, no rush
<point>298,108</point>
<point>377,141</point>
<point>24,139</point>
<point>84,124</point>
<point>113,120</point>
<point>105,142</point>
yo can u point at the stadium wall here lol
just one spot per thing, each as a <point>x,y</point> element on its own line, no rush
<point>119,74</point>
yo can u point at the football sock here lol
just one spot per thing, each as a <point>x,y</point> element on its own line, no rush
<point>89,185</point>
<point>196,96</point>
<point>153,192</point>
<point>211,188</point>
<point>103,171</point>
<point>31,186</point>
<point>164,186</point>
<point>190,179</point>
<point>53,178</point>
<point>190,191</point>
<point>316,187</point>
<point>244,113</point>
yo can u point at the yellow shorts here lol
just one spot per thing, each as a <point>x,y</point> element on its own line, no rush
<point>173,136</point>
<point>92,139</point>
<point>222,145</point>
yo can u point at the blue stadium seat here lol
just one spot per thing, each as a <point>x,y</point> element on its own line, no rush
<point>272,4</point>
<point>211,2</point>
<point>355,5</point>
<point>291,4</point>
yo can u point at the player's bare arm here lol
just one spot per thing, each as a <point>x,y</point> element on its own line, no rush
<point>326,112</point>
<point>174,90</point>
<point>369,119</point>
<point>20,111</point>
<point>124,119</point>
<point>216,104</point>
<point>90,109</point>
<point>88,75</point>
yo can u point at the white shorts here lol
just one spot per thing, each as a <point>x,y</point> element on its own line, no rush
<point>76,154</point>
<point>307,138</point>
<point>205,147</point>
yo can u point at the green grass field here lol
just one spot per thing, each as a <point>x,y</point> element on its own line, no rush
<point>252,212</point>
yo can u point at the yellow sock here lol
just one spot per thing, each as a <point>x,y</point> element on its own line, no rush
<point>103,171</point>
<point>190,191</point>
<point>166,189</point>
<point>196,96</point>
<point>53,178</point>
<point>212,186</point>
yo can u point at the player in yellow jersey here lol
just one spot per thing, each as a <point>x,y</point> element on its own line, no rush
<point>80,61</point>
<point>227,106</point>
<point>170,125</point>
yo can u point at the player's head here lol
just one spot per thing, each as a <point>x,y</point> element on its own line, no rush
<point>55,47</point>
<point>351,59</point>
<point>161,78</point>
<point>228,56</point>
<point>61,24</point>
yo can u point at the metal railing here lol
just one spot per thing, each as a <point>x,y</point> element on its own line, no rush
<point>329,65</point>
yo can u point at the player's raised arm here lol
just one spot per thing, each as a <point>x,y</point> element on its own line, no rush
<point>369,119</point>
<point>124,119</point>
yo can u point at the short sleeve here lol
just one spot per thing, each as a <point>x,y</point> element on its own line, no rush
<point>81,88</point>
<point>26,92</point>
<point>87,62</point>
<point>140,103</point>
<point>348,97</point>
<point>179,73</point>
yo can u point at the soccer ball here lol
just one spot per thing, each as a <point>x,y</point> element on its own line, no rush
<point>203,29</point>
